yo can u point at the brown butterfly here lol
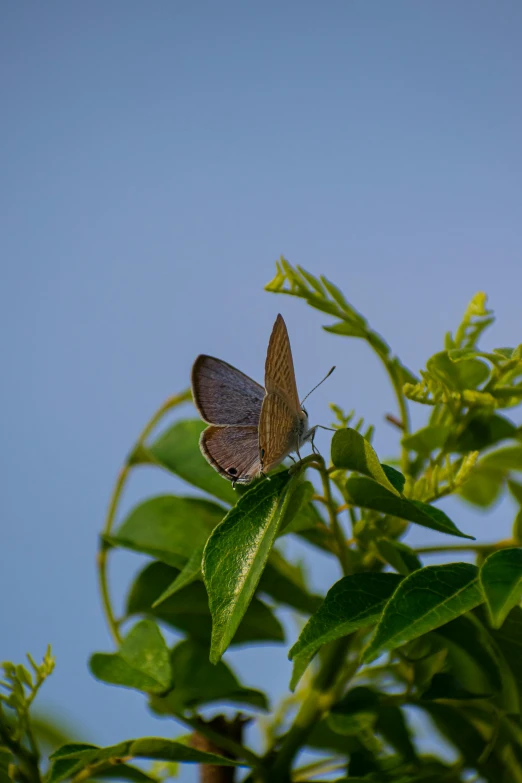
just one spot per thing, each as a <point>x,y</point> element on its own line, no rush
<point>251,429</point>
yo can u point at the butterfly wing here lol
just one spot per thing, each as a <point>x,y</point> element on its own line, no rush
<point>232,451</point>
<point>279,428</point>
<point>224,395</point>
<point>279,366</point>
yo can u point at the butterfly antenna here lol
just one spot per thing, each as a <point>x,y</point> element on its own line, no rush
<point>320,382</point>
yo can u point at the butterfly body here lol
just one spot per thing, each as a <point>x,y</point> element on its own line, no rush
<point>252,429</point>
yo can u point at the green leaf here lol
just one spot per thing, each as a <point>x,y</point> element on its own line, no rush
<point>197,682</point>
<point>392,725</point>
<point>398,555</point>
<point>501,580</point>
<point>395,477</point>
<point>190,572</point>
<point>311,280</point>
<point>142,662</point>
<point>352,452</point>
<point>109,771</point>
<point>308,524</point>
<point>446,686</point>
<point>169,528</point>
<point>427,439</point>
<point>281,580</point>
<point>346,329</point>
<point>6,759</point>
<point>483,486</point>
<point>509,640</point>
<point>187,610</point>
<point>338,296</point>
<point>461,732</point>
<point>476,661</point>
<point>367,494</point>
<point>177,450</point>
<point>506,459</point>
<point>284,582</point>
<point>423,601</point>
<point>362,709</point>
<point>323,737</point>
<point>236,554</point>
<point>464,374</point>
<point>355,712</point>
<point>517,528</point>
<point>481,431</point>
<point>516,490</point>
<point>89,756</point>
<point>354,602</point>
<point>294,517</point>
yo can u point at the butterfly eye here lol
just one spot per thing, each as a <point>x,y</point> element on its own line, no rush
<point>304,411</point>
<point>232,471</point>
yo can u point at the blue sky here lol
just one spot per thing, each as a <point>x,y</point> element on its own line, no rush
<point>156,159</point>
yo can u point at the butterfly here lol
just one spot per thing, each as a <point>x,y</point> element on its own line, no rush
<point>252,429</point>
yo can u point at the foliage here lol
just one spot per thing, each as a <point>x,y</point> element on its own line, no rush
<point>392,638</point>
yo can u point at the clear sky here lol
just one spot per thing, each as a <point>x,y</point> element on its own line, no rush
<point>156,158</point>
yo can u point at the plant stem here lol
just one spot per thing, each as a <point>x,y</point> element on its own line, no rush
<point>324,693</point>
<point>426,550</point>
<point>405,416</point>
<point>321,767</point>
<point>236,749</point>
<point>27,760</point>
<point>335,526</point>
<point>123,475</point>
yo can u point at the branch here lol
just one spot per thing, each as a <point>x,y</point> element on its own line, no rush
<point>168,405</point>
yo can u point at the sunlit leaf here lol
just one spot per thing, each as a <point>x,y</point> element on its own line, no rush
<point>236,554</point>
<point>354,602</point>
<point>465,374</point>
<point>169,528</point>
<point>395,477</point>
<point>353,452</point>
<point>142,662</point>
<point>425,600</point>
<point>368,494</point>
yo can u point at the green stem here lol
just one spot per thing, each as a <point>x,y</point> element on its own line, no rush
<point>236,750</point>
<point>325,691</point>
<point>426,550</point>
<point>123,475</point>
<point>27,760</point>
<point>321,767</point>
<point>403,409</point>
<point>335,525</point>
